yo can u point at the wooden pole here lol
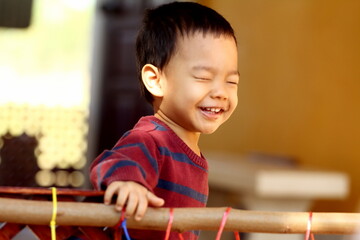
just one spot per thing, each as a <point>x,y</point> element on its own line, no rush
<point>98,214</point>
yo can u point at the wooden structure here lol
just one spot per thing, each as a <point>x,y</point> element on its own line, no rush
<point>22,199</point>
<point>270,177</point>
<point>271,183</point>
<point>33,207</point>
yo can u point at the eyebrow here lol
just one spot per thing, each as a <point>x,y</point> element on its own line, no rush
<point>211,69</point>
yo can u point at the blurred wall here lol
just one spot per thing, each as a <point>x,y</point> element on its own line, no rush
<point>299,91</point>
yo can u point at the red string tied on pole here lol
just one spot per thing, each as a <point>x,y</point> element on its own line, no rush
<point>118,225</point>
<point>168,228</point>
<point>308,233</point>
<point>222,225</point>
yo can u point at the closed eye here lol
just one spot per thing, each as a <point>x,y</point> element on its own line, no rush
<point>233,82</point>
<point>233,78</point>
<point>203,78</point>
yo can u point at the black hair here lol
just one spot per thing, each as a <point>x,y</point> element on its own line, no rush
<point>163,25</point>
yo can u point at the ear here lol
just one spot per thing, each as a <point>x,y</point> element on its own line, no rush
<point>151,78</point>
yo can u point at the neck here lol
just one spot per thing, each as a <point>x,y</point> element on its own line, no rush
<point>190,138</point>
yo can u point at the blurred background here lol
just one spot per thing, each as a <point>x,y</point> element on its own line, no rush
<point>300,82</point>
<point>68,87</point>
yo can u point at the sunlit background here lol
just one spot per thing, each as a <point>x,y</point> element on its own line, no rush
<point>68,90</point>
<point>44,93</point>
<point>298,92</point>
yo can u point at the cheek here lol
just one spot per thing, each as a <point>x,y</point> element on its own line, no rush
<point>234,101</point>
<point>234,96</point>
<point>190,94</point>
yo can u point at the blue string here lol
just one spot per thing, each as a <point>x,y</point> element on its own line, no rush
<point>123,225</point>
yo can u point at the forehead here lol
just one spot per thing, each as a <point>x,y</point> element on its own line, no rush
<point>217,53</point>
<point>201,46</point>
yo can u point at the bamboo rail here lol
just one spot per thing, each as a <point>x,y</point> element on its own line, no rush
<point>97,214</point>
<point>47,191</point>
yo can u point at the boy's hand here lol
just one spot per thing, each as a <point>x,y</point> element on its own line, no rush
<point>135,196</point>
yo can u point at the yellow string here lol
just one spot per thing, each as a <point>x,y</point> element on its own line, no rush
<point>54,212</point>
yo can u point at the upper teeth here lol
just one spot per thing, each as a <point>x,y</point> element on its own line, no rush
<point>213,109</point>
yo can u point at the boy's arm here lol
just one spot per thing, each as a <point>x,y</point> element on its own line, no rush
<point>130,171</point>
<point>134,158</point>
<point>133,196</point>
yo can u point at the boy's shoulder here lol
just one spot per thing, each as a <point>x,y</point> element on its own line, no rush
<point>149,124</point>
<point>146,129</point>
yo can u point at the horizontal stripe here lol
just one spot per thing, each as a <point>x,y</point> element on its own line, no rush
<point>146,152</point>
<point>105,155</point>
<point>159,126</point>
<point>124,163</point>
<point>180,157</point>
<point>125,134</point>
<point>189,192</point>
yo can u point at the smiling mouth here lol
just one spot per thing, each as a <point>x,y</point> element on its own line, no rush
<point>212,110</point>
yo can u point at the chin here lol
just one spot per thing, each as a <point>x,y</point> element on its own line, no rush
<point>209,131</point>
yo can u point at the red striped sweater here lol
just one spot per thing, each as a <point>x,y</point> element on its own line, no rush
<point>154,156</point>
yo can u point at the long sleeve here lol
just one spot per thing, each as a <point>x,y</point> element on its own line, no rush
<point>154,156</point>
<point>133,158</point>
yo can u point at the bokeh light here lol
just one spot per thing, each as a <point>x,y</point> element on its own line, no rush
<point>61,133</point>
<point>45,87</point>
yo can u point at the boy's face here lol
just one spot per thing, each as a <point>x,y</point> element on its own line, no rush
<point>200,82</point>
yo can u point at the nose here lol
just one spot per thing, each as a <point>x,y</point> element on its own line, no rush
<point>219,90</point>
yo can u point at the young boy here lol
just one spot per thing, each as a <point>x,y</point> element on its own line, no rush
<point>188,69</point>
